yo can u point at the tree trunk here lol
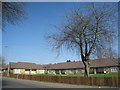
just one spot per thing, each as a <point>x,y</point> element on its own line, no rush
<point>87,68</point>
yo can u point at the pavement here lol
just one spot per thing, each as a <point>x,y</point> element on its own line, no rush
<point>22,83</point>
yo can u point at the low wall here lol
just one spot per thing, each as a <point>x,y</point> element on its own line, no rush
<point>92,81</point>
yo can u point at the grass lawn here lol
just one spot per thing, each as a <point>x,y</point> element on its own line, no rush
<point>106,75</point>
<point>81,75</point>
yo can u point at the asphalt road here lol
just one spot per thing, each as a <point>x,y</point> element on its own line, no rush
<point>21,83</point>
<point>18,83</point>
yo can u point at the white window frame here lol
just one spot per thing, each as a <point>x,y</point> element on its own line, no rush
<point>114,69</point>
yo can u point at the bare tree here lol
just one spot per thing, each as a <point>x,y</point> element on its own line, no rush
<point>84,30</point>
<point>2,60</point>
<point>12,12</point>
<point>106,53</point>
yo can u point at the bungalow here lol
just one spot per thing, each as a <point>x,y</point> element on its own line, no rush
<point>96,66</point>
<point>76,67</point>
<point>3,68</point>
<point>25,68</point>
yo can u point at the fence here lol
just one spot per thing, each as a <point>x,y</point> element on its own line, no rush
<point>92,81</point>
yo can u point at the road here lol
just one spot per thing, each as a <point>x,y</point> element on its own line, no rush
<point>21,83</point>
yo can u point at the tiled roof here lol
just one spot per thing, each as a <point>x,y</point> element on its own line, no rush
<point>25,65</point>
<point>64,65</point>
<point>79,64</point>
<point>3,66</point>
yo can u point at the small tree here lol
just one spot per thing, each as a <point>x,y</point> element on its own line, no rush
<point>84,30</point>
<point>68,60</point>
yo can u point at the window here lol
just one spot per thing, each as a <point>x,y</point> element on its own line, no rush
<point>114,69</point>
<point>27,69</point>
<point>33,69</point>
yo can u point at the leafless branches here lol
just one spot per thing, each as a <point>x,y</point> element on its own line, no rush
<point>12,12</point>
<point>85,31</point>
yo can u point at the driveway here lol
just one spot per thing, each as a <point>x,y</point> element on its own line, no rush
<point>21,83</point>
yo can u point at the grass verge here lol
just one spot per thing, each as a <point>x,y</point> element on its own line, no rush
<point>81,75</point>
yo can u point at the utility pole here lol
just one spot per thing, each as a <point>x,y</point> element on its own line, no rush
<point>8,72</point>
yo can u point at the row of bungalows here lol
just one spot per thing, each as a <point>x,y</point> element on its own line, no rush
<point>3,68</point>
<point>76,67</point>
<point>24,68</point>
